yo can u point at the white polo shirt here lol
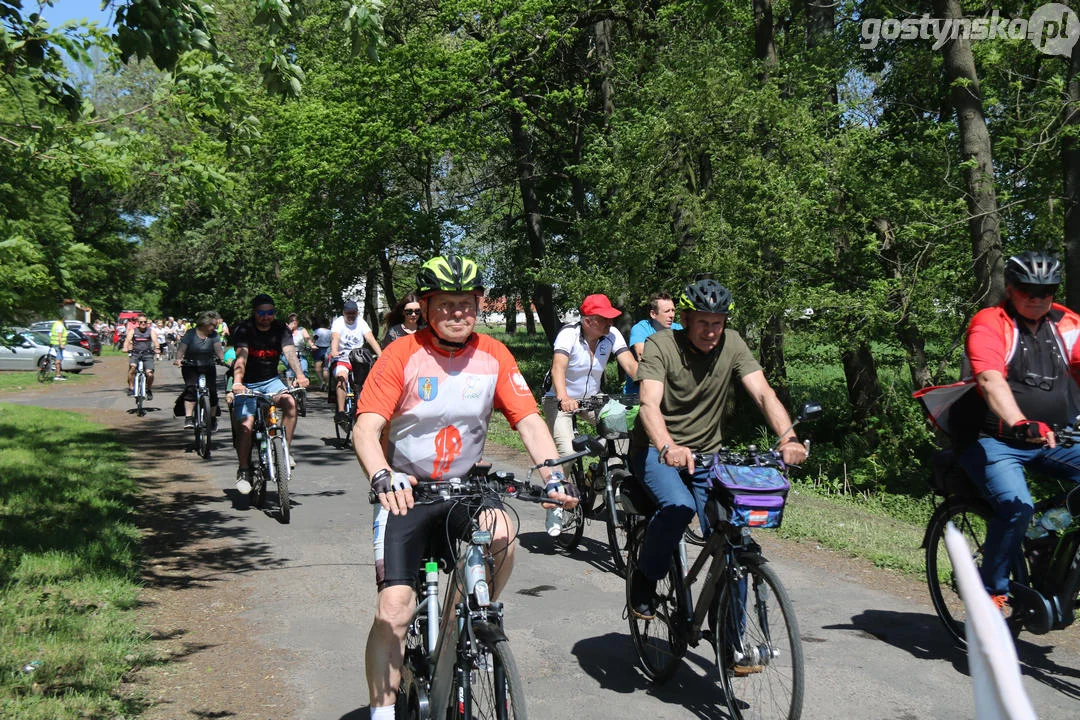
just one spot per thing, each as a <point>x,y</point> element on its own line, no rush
<point>585,370</point>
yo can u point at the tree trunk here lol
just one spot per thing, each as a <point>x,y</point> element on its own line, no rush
<point>510,315</point>
<point>1070,160</point>
<point>906,330</point>
<point>530,319</point>
<point>764,40</point>
<point>387,277</point>
<point>772,358</point>
<point>602,31</point>
<point>371,299</point>
<point>523,160</point>
<point>863,387</point>
<point>983,219</point>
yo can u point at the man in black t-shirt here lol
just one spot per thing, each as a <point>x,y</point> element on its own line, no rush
<point>260,343</point>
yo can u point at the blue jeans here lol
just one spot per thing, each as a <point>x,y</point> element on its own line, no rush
<point>244,407</point>
<point>997,469</point>
<point>677,498</point>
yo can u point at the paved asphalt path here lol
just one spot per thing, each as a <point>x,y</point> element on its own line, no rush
<point>869,654</point>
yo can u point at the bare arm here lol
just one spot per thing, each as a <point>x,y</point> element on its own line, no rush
<point>369,337</point>
<point>127,339</point>
<point>999,397</point>
<point>367,442</point>
<point>335,340</point>
<point>651,395</point>
<point>639,349</point>
<point>239,367</point>
<point>559,363</point>
<point>628,364</point>
<point>292,359</point>
<point>777,416</point>
<point>540,445</point>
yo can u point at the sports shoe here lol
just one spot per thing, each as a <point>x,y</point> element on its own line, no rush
<point>149,394</point>
<point>131,392</point>
<point>554,521</point>
<point>189,422</point>
<point>292,463</point>
<point>1001,602</point>
<point>642,592</point>
<point>243,481</point>
<point>341,417</point>
<point>60,377</point>
<point>213,424</point>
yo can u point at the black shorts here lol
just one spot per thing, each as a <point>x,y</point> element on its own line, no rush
<point>191,381</point>
<point>403,542</point>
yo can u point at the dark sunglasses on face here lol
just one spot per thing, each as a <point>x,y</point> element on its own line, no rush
<point>1037,291</point>
<point>266,313</point>
<point>412,312</point>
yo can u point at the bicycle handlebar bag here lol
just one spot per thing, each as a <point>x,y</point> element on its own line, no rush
<point>754,495</point>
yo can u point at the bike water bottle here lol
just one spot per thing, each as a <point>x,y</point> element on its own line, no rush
<point>476,575</point>
<point>431,576</point>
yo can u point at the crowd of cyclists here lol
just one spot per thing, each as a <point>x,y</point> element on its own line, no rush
<point>423,410</point>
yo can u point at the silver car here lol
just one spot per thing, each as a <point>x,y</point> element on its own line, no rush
<point>23,350</point>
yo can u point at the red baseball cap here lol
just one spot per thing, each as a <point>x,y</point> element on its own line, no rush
<point>599,304</point>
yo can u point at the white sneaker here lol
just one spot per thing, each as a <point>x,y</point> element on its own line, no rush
<point>243,484</point>
<point>554,521</point>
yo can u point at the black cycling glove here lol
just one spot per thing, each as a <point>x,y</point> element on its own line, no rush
<point>386,481</point>
<point>1030,430</point>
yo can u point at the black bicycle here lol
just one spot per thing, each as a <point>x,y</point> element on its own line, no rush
<point>204,414</point>
<point>273,461</point>
<point>458,663</point>
<point>1045,582</point>
<point>751,624</point>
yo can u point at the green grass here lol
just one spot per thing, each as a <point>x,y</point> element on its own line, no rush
<point>22,380</point>
<point>69,563</point>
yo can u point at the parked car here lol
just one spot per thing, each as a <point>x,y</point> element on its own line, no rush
<point>88,330</point>
<point>23,349</point>
<point>75,336</point>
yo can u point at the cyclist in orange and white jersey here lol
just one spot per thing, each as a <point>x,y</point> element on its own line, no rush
<point>432,393</point>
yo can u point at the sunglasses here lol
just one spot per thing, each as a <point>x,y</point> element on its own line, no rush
<point>412,312</point>
<point>266,313</point>
<point>1037,291</point>
<point>141,322</point>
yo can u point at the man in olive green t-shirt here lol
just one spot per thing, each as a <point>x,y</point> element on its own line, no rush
<point>686,377</point>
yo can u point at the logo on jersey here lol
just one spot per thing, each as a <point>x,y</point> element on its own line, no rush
<point>427,388</point>
<point>518,381</point>
<point>474,388</point>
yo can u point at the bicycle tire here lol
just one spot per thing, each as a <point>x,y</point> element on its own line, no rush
<point>281,473</point>
<point>257,496</point>
<point>301,404</point>
<point>204,427</point>
<point>692,535</point>
<point>494,693</point>
<point>970,516</point>
<point>45,369</point>
<point>659,643</point>
<point>573,526</point>
<point>140,394</point>
<point>769,632</point>
<point>616,520</point>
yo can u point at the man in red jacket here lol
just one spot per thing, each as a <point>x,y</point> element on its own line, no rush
<point>1025,360</point>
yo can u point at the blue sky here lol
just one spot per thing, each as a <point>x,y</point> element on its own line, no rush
<point>64,10</point>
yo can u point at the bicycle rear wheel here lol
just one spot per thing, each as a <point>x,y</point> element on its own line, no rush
<point>495,690</point>
<point>757,645</point>
<point>257,496</point>
<point>281,472</point>
<point>659,643</point>
<point>971,517</point>
<point>616,520</point>
<point>203,427</point>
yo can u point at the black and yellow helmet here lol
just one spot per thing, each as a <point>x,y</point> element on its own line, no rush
<point>706,295</point>
<point>449,273</point>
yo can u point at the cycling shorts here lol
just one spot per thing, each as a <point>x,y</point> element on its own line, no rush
<point>341,365</point>
<point>147,358</point>
<point>244,407</point>
<point>320,354</point>
<point>403,542</point>
<point>191,381</point>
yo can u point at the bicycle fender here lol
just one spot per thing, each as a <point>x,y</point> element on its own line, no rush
<point>487,631</point>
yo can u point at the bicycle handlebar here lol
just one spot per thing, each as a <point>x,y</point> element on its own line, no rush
<point>475,487</point>
<point>269,397</point>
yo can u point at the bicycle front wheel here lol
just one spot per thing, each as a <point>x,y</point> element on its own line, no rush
<point>616,522</point>
<point>659,643</point>
<point>45,371</point>
<point>757,645</point>
<point>573,525</point>
<point>281,472</point>
<point>494,690</point>
<point>971,517</point>
<point>203,428</point>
